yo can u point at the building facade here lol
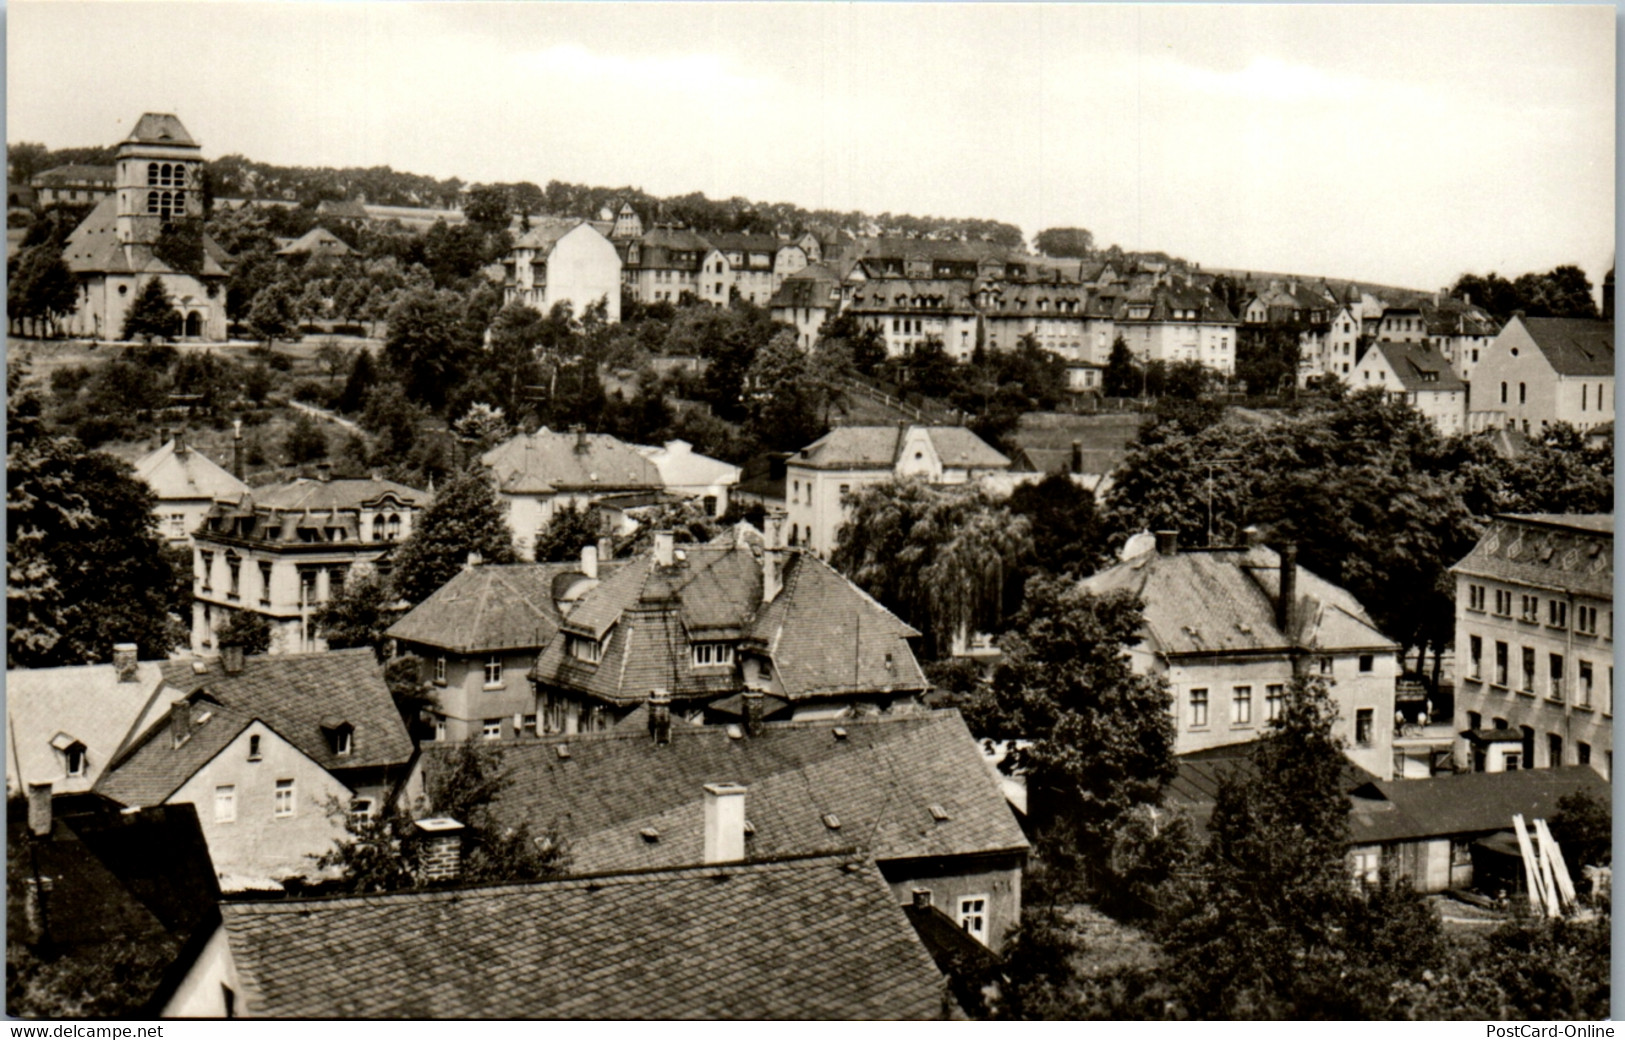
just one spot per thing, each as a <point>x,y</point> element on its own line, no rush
<point>1421,376</point>
<point>188,484</point>
<point>1540,371</point>
<point>563,261</point>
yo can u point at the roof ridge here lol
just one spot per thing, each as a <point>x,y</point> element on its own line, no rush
<point>709,732</point>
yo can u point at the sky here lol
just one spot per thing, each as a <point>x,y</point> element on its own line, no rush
<point>1401,144</point>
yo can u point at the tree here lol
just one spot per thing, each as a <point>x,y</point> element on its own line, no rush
<point>567,533</point>
<point>482,428</point>
<point>332,357</point>
<point>248,630</point>
<point>784,406</point>
<point>359,383</point>
<point>40,287</point>
<point>427,346</point>
<point>864,344</point>
<point>1122,376</point>
<point>271,316</point>
<point>464,518</point>
<point>1073,242</point>
<point>488,207</point>
<point>152,315</point>
<point>305,442</point>
<point>357,616</point>
<point>84,563</point>
<point>1583,827</point>
<point>1067,537</point>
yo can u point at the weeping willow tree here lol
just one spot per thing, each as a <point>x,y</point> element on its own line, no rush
<point>945,560</point>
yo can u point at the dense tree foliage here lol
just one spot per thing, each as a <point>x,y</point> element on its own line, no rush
<point>152,314</point>
<point>567,533</point>
<point>1073,242</point>
<point>463,519</point>
<point>40,290</point>
<point>1562,292</point>
<point>246,629</point>
<point>1122,377</point>
<point>358,615</point>
<point>1066,530</point>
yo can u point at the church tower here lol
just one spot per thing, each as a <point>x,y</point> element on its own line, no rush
<point>158,176</point>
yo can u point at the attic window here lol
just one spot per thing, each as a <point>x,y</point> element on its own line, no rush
<point>939,814</point>
<point>563,751</point>
<point>712,655</point>
<point>342,741</point>
<point>832,821</point>
<point>254,748</point>
<point>840,733</point>
<point>650,835</point>
<point>750,829</point>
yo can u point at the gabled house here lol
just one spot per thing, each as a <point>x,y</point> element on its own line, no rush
<point>1177,323</point>
<point>1230,628</point>
<point>689,476</point>
<point>911,791</point>
<point>665,262</point>
<point>265,747</point>
<point>319,242</point>
<point>1419,375</point>
<point>188,484</point>
<point>804,938</point>
<point>1540,371</point>
<point>708,622</point>
<point>537,473</point>
<point>807,299</point>
<point>563,261</point>
<point>1459,330</point>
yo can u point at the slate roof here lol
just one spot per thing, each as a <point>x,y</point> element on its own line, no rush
<point>816,285</point>
<point>1420,367</point>
<point>1465,803</point>
<point>545,461</point>
<point>544,235</point>
<point>153,768</point>
<point>1574,346</point>
<point>1574,552</point>
<point>824,636</point>
<point>876,447</point>
<point>914,295</point>
<point>879,782</point>
<point>94,246</point>
<point>318,241</point>
<point>74,173</point>
<point>1021,300</point>
<point>86,703</point>
<point>160,128</point>
<point>1223,601</point>
<point>1195,786</point>
<point>187,474</point>
<point>1165,300</point>
<point>339,493</point>
<point>490,608</point>
<point>816,938</point>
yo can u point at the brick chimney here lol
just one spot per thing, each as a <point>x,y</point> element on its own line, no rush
<point>1168,543</point>
<point>237,469</point>
<point>752,710</point>
<point>1286,603</point>
<point>231,659</point>
<point>442,839</point>
<point>124,657</point>
<point>1077,456</point>
<point>39,809</point>
<point>665,549</point>
<point>660,716</point>
<point>581,438</point>
<point>724,823</point>
<point>589,561</point>
<point>324,471</point>
<point>922,898</point>
<point>773,556</point>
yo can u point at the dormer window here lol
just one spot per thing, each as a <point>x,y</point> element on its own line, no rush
<point>582,648</point>
<point>340,735</point>
<point>73,753</point>
<point>712,655</point>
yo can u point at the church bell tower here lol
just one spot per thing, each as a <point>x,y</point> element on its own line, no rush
<point>158,176</point>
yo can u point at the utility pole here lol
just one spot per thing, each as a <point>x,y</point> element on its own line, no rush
<point>1212,464</point>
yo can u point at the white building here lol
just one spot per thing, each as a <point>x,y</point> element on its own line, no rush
<point>563,261</point>
<point>1420,376</point>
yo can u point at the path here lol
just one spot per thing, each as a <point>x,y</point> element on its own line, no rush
<point>326,416</point>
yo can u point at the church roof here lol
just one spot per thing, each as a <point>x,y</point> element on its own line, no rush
<point>160,128</point>
<point>94,246</point>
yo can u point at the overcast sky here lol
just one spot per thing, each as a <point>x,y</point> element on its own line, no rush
<point>1395,144</point>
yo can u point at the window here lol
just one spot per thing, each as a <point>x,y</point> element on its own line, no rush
<point>360,809</point>
<point>377,528</point>
<point>712,655</point>
<point>235,566</point>
<point>75,755</point>
<point>440,670</point>
<point>1512,761</point>
<point>265,584</point>
<point>1555,670</point>
<point>493,670</point>
<point>440,730</point>
<point>581,648</point>
<point>1582,695</point>
<point>1523,393</point>
<point>1475,597</point>
<point>225,803</point>
<point>1503,603</point>
<point>1366,662</point>
<point>1528,670</point>
<point>1274,702</point>
<point>177,525</point>
<point>1475,657</point>
<point>342,740</point>
<point>1364,722</point>
<point>1241,706</point>
<point>492,729</point>
<point>1582,753</point>
<point>1475,720</point>
<point>254,748</point>
<point>284,798</point>
<point>1198,707</point>
<point>530,725</point>
<point>1585,620</point>
<point>1500,663</point>
<point>554,709</point>
<point>1557,613</point>
<point>973,916</point>
<point>1554,750</point>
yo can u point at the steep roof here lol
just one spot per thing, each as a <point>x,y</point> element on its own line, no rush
<point>545,461</point>
<point>544,234</point>
<point>1574,346</point>
<point>94,246</point>
<point>490,608</point>
<point>160,128</point>
<point>1574,552</point>
<point>879,781</point>
<point>1464,803</point>
<point>816,285</point>
<point>186,474</point>
<point>318,241</point>
<point>339,493</point>
<point>1420,367</point>
<point>815,938</point>
<point>876,447</point>
<point>915,295</point>
<point>1165,300</point>
<point>84,703</point>
<point>1223,601</point>
<point>153,768</point>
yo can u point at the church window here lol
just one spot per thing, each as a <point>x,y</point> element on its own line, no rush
<point>152,174</point>
<point>152,202</point>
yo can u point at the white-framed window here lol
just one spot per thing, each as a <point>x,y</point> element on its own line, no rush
<point>1585,620</point>
<point>1198,707</point>
<point>177,525</point>
<point>1475,657</point>
<point>1241,706</point>
<point>440,730</point>
<point>1557,613</point>
<point>360,809</point>
<point>973,916</point>
<point>1531,608</point>
<point>1528,670</point>
<point>493,670</point>
<point>225,803</point>
<point>440,670</point>
<point>1274,701</point>
<point>284,802</point>
<point>530,725</point>
<point>712,655</point>
<point>491,729</point>
<point>1582,698</point>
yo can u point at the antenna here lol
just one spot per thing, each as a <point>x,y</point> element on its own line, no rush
<point>1212,464</point>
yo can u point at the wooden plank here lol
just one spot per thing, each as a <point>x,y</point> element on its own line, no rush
<point>1531,875</point>
<point>1560,867</point>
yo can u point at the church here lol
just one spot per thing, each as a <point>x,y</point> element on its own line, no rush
<point>157,184</point>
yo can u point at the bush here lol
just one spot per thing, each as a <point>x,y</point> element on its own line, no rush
<point>312,392</point>
<point>305,442</point>
<point>349,330</point>
<point>249,631</point>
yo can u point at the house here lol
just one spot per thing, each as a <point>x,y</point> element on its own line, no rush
<point>690,476</point>
<point>798,938</point>
<point>807,299</point>
<point>1534,644</point>
<point>847,458</point>
<point>1540,371</point>
<point>666,262</point>
<point>158,180</point>
<point>265,747</point>
<point>188,484</point>
<point>105,910</point>
<point>1459,330</point>
<point>480,634</point>
<point>757,263</point>
<point>1230,628</point>
<point>708,622</point>
<point>1343,337</point>
<point>1053,313</point>
<point>1421,376</point>
<point>1088,448</point>
<point>318,241</point>
<point>1304,308</point>
<point>909,312</point>
<point>284,550</point>
<point>911,791</point>
<point>563,261</point>
<point>64,725</point>
<point>75,184</point>
<point>1174,323</point>
<point>538,473</point>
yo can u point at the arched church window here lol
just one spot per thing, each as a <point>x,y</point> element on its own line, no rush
<point>152,202</point>
<point>377,528</point>
<point>180,204</point>
<point>152,173</point>
<point>394,527</point>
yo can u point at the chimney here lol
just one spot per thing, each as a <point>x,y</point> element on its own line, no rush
<point>724,823</point>
<point>39,809</point>
<point>1077,456</point>
<point>773,557</point>
<point>922,899</point>
<point>237,448</point>
<point>231,659</point>
<point>665,549</point>
<point>124,661</point>
<point>660,716</point>
<point>1467,298</point>
<point>1168,543</point>
<point>180,722</point>
<point>473,560</point>
<point>324,471</point>
<point>163,437</point>
<point>442,839</point>
<point>589,561</point>
<point>1436,299</point>
<point>581,437</point>
<point>1287,601</point>
<point>606,549</point>
<point>180,440</point>
<point>753,712</point>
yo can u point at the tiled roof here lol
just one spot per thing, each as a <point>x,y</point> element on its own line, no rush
<point>809,287</point>
<point>915,295</point>
<point>1165,300</point>
<point>74,174</point>
<point>1223,601</point>
<point>1574,346</point>
<point>1195,787</point>
<point>489,608</point>
<point>545,461</point>
<point>339,493</point>
<point>87,703</point>
<point>188,474</point>
<point>1569,552</point>
<point>1465,803</point>
<point>876,447</point>
<point>154,768</point>
<point>94,246</point>
<point>815,938</point>
<point>1420,367</point>
<point>318,241</point>
<point>160,128</point>
<point>879,782</point>
<point>545,234</point>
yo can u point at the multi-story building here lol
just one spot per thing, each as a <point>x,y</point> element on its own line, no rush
<point>1540,371</point>
<point>1534,644</point>
<point>1230,628</point>
<point>283,551</point>
<point>1172,324</point>
<point>1342,343</point>
<point>847,458</point>
<point>539,473</point>
<point>1418,374</point>
<point>1054,314</point>
<point>666,262</point>
<point>188,484</point>
<point>1459,330</point>
<point>807,299</point>
<point>759,264</point>
<point>563,261</point>
<point>73,185</point>
<point>909,312</point>
<point>158,181</point>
